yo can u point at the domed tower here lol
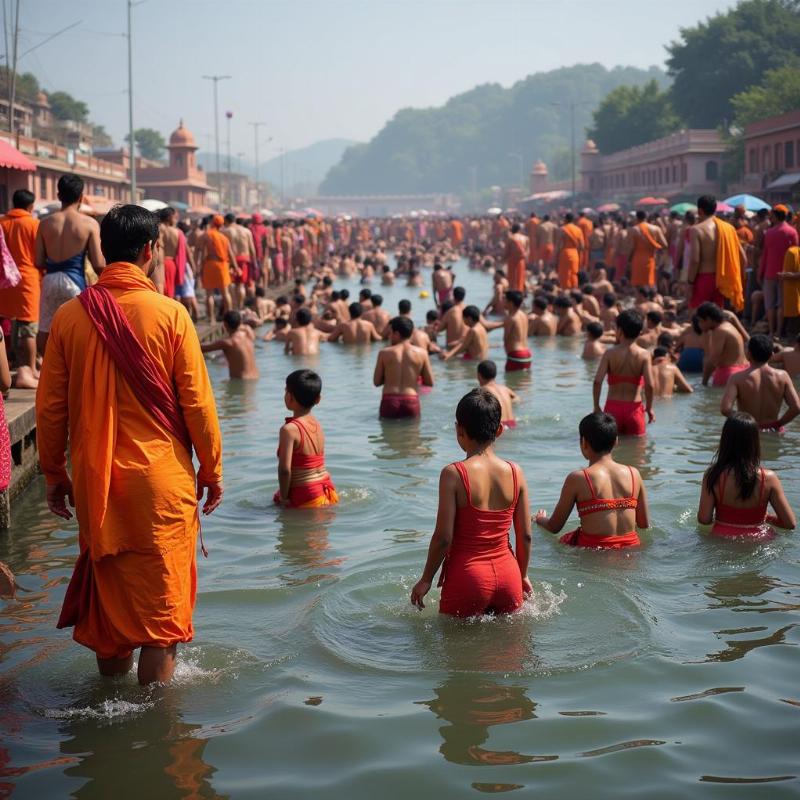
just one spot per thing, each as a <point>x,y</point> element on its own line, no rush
<point>42,114</point>
<point>590,168</point>
<point>182,151</point>
<point>538,178</point>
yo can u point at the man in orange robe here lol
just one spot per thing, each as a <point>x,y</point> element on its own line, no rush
<point>645,240</point>
<point>456,233</point>
<point>515,257</point>
<point>531,229</point>
<point>586,226</point>
<point>20,303</point>
<point>217,260</point>
<point>570,248</point>
<point>131,425</point>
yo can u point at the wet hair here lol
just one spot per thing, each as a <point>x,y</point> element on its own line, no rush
<point>472,312</point>
<point>595,330</point>
<point>587,289</point>
<point>404,306</point>
<point>402,326</point>
<point>660,352</point>
<point>540,303</point>
<point>609,300</point>
<point>599,431</point>
<point>432,316</point>
<point>696,325</point>
<point>281,322</point>
<point>305,386</point>
<point>630,322</point>
<point>261,291</point>
<point>666,340</point>
<point>230,218</point>
<point>740,452</point>
<point>22,198</point>
<point>376,299</point>
<point>165,213</point>
<point>355,310</point>
<point>124,232</point>
<point>514,297</point>
<point>707,204</point>
<point>232,319</point>
<point>70,189</point>
<point>487,370</point>
<point>569,216</point>
<point>344,294</point>
<point>759,347</point>
<point>563,301</point>
<point>479,414</point>
<point>641,215</point>
<point>459,293</point>
<point>365,294</point>
<point>299,299</point>
<point>655,317</point>
<point>303,317</point>
<point>515,228</point>
<point>446,306</point>
<point>327,281</point>
<point>709,310</point>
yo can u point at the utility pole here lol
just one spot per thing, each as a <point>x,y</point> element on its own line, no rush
<point>283,176</point>
<point>256,126</point>
<point>572,150</point>
<point>229,117</point>
<point>217,79</point>
<point>12,94</point>
<point>132,141</point>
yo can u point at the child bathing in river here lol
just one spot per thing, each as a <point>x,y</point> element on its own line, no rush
<point>479,498</point>
<point>737,489</point>
<point>610,497</point>
<point>302,478</point>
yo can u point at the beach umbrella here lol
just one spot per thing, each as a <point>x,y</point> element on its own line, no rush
<point>607,207</point>
<point>152,205</point>
<point>494,211</point>
<point>749,201</point>
<point>588,210</point>
<point>724,208</point>
<point>682,208</point>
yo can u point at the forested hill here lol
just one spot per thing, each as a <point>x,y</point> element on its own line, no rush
<point>438,149</point>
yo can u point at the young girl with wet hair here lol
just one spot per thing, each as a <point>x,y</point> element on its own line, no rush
<point>737,490</point>
<point>479,500</point>
<point>610,497</point>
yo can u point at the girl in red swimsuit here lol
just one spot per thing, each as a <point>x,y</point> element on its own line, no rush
<point>610,497</point>
<point>737,489</point>
<point>479,500</point>
<point>302,478</point>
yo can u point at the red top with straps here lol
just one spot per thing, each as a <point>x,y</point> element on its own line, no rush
<point>482,531</point>
<point>301,460</point>
<point>596,503</point>
<point>632,379</point>
<point>733,515</point>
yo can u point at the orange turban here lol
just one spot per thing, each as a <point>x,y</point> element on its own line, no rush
<point>218,221</point>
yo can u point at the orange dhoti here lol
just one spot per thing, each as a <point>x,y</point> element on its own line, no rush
<point>216,275</point>
<point>643,270</point>
<point>546,254</point>
<point>516,275</point>
<point>568,267</point>
<point>311,495</point>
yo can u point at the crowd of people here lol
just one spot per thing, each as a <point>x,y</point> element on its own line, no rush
<point>122,382</point>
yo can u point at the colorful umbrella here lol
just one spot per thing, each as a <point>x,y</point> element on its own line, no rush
<point>724,208</point>
<point>606,207</point>
<point>682,208</point>
<point>653,201</point>
<point>750,202</point>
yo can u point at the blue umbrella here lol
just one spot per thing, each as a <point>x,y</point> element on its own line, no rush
<point>748,201</point>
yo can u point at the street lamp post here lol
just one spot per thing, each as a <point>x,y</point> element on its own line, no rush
<point>216,79</point>
<point>572,107</point>
<point>229,117</point>
<point>256,126</point>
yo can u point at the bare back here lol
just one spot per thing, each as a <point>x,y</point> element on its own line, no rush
<point>400,366</point>
<point>66,233</point>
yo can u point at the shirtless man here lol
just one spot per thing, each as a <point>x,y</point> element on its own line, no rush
<point>475,344</point>
<point>497,304</point>
<point>541,321</point>
<point>546,243</point>
<point>244,252</point>
<point>303,339</point>
<point>703,256</point>
<point>788,358</point>
<point>177,256</point>
<point>355,330</point>
<point>724,354</point>
<point>442,282</point>
<point>601,283</point>
<point>280,331</point>
<point>452,321</point>
<point>377,315</point>
<point>388,277</point>
<point>652,330</point>
<point>667,378</point>
<point>62,242</point>
<point>596,340</point>
<point>400,369</point>
<point>761,389</point>
<point>597,242</point>
<point>609,311</point>
<point>589,301</point>
<point>515,333</point>
<point>569,323</point>
<point>237,347</point>
<point>487,374</point>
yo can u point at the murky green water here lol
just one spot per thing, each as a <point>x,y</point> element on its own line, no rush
<point>669,672</point>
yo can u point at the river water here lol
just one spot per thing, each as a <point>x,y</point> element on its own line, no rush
<point>669,671</point>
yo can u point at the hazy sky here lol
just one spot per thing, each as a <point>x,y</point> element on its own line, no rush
<point>316,69</point>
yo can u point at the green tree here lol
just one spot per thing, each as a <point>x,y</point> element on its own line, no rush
<point>632,115</point>
<point>150,142</point>
<point>27,85</point>
<point>778,93</point>
<point>101,136</point>
<point>66,108</point>
<point>729,53</point>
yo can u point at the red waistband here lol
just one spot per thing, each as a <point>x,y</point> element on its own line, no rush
<point>305,492</point>
<point>578,538</point>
